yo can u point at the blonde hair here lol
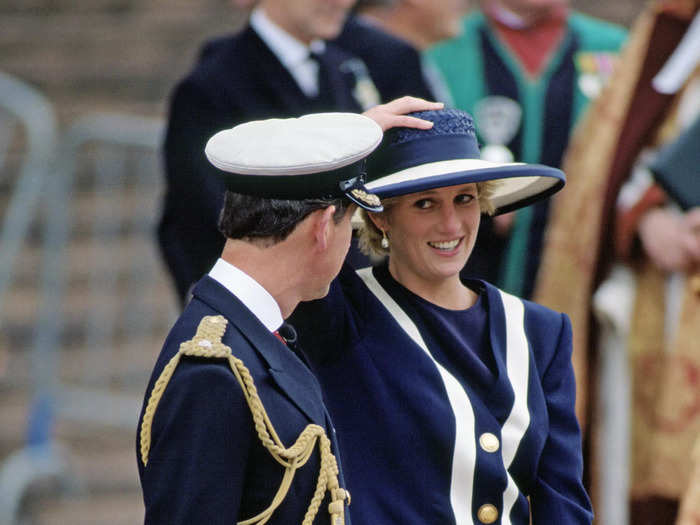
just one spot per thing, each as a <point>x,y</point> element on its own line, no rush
<point>370,236</point>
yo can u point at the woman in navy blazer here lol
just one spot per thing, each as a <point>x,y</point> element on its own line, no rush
<point>453,401</point>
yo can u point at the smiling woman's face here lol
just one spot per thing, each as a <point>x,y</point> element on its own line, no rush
<point>431,233</point>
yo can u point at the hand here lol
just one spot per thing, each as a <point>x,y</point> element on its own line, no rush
<point>671,241</point>
<point>393,114</point>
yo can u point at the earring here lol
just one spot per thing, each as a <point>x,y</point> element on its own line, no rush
<point>385,241</point>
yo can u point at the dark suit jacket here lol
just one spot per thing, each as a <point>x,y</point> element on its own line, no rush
<point>206,464</point>
<point>236,79</point>
<point>394,65</point>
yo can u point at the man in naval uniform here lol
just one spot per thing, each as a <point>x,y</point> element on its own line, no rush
<point>233,427</point>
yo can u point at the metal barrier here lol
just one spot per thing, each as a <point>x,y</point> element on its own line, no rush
<point>106,303</point>
<point>27,144</point>
<point>26,112</point>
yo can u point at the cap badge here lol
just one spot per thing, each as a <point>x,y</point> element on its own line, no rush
<point>367,198</point>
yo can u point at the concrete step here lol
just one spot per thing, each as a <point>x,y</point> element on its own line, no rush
<point>88,509</point>
<point>102,486</point>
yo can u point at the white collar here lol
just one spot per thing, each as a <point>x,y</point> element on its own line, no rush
<point>250,292</point>
<point>290,51</point>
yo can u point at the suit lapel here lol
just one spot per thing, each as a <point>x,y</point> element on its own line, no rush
<point>271,75</point>
<point>340,80</point>
<point>287,370</point>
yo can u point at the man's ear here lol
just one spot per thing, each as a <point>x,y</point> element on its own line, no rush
<point>322,227</point>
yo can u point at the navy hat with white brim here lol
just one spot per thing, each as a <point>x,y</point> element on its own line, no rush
<point>413,160</point>
<point>317,156</point>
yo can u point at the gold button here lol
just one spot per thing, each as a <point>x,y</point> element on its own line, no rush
<point>489,442</point>
<point>487,513</point>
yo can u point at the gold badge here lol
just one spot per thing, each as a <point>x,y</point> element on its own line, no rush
<point>367,198</point>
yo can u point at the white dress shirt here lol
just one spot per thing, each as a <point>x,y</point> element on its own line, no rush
<point>249,292</point>
<point>293,54</point>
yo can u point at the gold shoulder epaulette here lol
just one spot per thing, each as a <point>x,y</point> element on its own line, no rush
<point>207,343</point>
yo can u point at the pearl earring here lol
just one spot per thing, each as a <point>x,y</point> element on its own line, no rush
<point>385,241</point>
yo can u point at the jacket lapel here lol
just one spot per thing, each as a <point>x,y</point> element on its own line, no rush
<point>291,375</point>
<point>271,75</point>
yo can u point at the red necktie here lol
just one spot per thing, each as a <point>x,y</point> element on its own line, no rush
<point>278,336</point>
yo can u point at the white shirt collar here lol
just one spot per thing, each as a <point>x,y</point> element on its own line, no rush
<point>292,53</point>
<point>250,292</point>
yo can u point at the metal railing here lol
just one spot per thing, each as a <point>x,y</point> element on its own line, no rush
<point>105,301</point>
<point>26,113</point>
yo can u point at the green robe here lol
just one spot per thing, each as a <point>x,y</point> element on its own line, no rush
<point>476,65</point>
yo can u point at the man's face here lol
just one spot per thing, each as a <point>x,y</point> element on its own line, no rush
<point>533,7</point>
<point>331,260</point>
<point>442,19</point>
<point>308,20</point>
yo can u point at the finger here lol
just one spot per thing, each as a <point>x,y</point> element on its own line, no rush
<point>409,104</point>
<point>692,220</point>
<point>691,246</point>
<point>410,122</point>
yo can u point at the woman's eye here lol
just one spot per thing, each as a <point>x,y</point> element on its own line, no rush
<point>464,198</point>
<point>423,204</point>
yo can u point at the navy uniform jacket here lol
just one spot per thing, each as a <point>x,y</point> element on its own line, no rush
<point>206,464</point>
<point>236,79</point>
<point>413,430</point>
<point>394,65</point>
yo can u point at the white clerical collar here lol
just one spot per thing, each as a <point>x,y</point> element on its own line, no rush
<point>290,51</point>
<point>250,292</point>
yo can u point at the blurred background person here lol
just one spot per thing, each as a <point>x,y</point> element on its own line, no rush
<point>525,69</point>
<point>624,244</point>
<point>280,64</point>
<point>390,37</point>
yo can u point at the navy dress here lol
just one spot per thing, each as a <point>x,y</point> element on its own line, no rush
<point>447,417</point>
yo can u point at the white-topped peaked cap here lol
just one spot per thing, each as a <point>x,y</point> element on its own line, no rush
<point>314,156</point>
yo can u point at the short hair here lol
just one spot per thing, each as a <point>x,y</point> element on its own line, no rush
<point>249,218</point>
<point>370,237</point>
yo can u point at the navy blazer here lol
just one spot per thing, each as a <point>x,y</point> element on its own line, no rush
<point>236,79</point>
<point>394,65</point>
<point>206,464</point>
<point>509,445</point>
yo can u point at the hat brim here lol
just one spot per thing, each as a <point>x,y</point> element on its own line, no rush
<point>519,184</point>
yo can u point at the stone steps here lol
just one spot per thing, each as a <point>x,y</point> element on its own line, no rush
<point>111,508</point>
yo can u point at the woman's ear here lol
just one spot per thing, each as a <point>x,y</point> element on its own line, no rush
<point>379,220</point>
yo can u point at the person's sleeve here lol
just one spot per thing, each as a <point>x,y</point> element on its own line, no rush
<point>201,438</point>
<point>327,326</point>
<point>558,495</point>
<point>188,235</point>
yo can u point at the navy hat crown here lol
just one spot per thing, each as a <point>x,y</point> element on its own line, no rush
<point>446,122</point>
<point>453,136</point>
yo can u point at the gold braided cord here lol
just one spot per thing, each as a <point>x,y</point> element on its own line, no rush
<point>207,344</point>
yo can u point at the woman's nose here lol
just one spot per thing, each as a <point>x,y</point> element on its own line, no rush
<point>450,220</point>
